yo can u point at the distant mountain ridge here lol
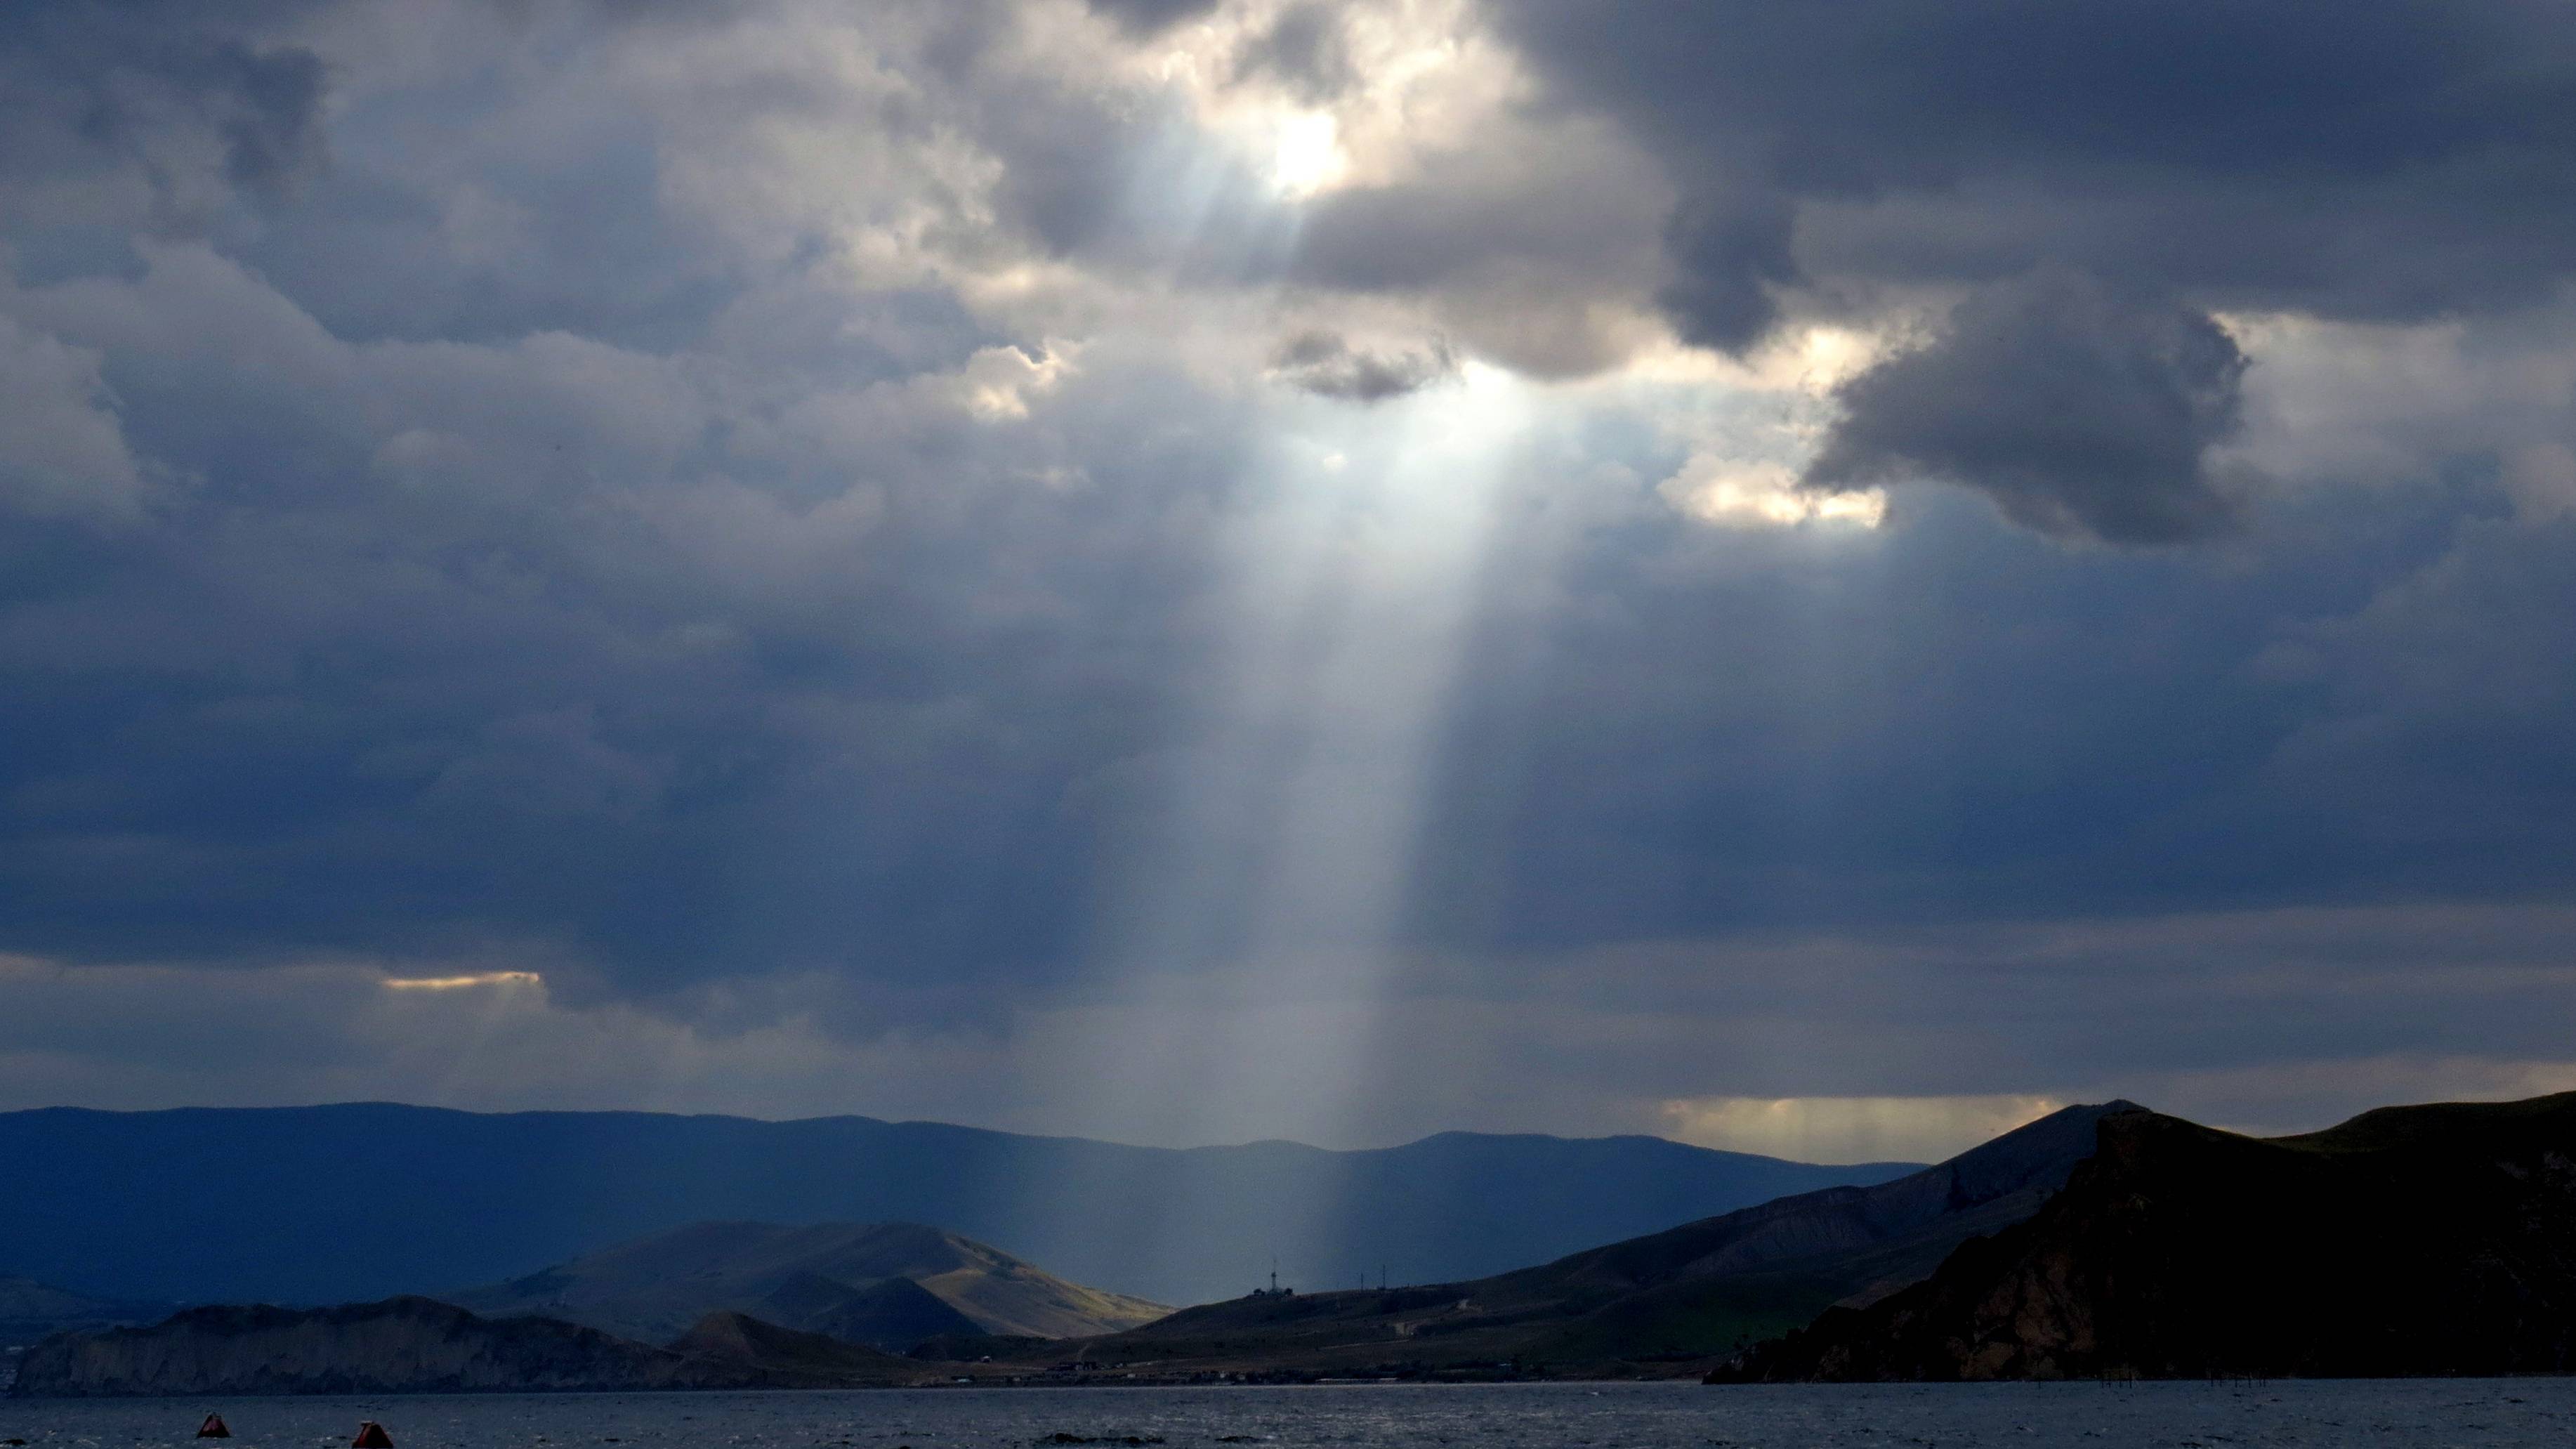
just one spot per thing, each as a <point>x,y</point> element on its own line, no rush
<point>1692,1292</point>
<point>2438,1239</point>
<point>423,1199</point>
<point>889,1285</point>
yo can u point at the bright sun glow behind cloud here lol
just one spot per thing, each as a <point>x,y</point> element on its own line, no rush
<point>1307,155</point>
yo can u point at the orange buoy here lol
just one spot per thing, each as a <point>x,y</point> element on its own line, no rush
<point>372,1435</point>
<point>214,1428</point>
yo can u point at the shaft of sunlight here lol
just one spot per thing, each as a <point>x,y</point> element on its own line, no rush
<point>1253,931</point>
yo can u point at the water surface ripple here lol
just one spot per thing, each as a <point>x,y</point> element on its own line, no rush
<point>2401,1414</point>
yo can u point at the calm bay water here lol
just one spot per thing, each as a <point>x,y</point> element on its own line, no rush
<point>2401,1415</point>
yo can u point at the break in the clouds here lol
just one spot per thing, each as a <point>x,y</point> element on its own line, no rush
<point>1096,566</point>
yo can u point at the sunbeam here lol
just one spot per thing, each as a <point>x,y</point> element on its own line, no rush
<point>1259,911</point>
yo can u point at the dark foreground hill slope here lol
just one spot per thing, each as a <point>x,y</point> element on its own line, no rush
<point>326,1204</point>
<point>1698,1291</point>
<point>787,1359</point>
<point>415,1345</point>
<point>891,1285</point>
<point>897,1315</point>
<point>1707,1285</point>
<point>2414,1240</point>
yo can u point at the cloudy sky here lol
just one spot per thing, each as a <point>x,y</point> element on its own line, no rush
<point>1810,577</point>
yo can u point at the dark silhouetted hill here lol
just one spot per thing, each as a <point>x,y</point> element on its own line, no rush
<point>2411,1240</point>
<point>894,1314</point>
<point>887,1284</point>
<point>1695,1292</point>
<point>325,1204</point>
<point>785,1358</point>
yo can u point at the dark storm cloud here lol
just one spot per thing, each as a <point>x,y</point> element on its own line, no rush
<point>1733,257</point>
<point>2392,162</point>
<point>455,644</point>
<point>638,651</point>
<point>603,519</point>
<point>1325,364</point>
<point>530,563</point>
<point>2080,412</point>
<point>1145,17</point>
<point>147,112</point>
<point>2408,161</point>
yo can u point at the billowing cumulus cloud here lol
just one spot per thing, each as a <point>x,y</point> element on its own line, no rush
<point>2381,165</point>
<point>1078,565</point>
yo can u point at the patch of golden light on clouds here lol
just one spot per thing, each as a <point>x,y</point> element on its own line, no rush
<point>1850,1129</point>
<point>465,982</point>
<point>1739,494</point>
<point>996,383</point>
<point>1741,475</point>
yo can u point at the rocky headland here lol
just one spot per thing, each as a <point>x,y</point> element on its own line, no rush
<point>2408,1241</point>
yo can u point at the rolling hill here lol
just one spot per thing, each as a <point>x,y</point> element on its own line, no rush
<point>331,1204</point>
<point>890,1285</point>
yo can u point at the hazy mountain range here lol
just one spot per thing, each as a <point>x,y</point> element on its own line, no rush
<point>2105,1240</point>
<point>357,1202</point>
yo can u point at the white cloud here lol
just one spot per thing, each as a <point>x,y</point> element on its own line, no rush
<point>62,449</point>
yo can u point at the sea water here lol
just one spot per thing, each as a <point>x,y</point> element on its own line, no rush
<point>2398,1414</point>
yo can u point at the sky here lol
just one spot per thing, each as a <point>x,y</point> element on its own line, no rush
<point>1820,579</point>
